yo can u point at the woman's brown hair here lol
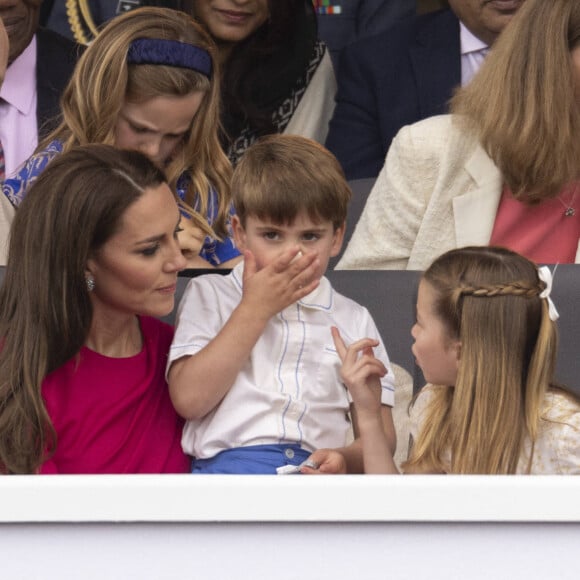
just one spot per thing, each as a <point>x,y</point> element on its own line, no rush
<point>523,103</point>
<point>70,211</point>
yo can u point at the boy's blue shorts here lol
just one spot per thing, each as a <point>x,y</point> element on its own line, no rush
<point>251,460</point>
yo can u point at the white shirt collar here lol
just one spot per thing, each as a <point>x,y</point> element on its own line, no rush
<point>469,42</point>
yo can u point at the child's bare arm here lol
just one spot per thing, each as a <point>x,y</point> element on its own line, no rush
<point>355,458</point>
<point>377,440</point>
<point>199,382</point>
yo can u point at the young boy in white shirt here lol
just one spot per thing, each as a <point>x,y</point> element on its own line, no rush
<point>253,367</point>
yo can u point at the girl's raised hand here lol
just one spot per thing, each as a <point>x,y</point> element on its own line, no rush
<point>361,371</point>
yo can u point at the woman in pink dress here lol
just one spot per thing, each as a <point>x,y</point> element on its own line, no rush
<point>93,263</point>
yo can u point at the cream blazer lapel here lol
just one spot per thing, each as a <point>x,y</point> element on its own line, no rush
<point>474,212</point>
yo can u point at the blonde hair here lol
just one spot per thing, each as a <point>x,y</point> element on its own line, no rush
<point>103,81</point>
<point>523,103</point>
<point>489,299</point>
<point>281,175</point>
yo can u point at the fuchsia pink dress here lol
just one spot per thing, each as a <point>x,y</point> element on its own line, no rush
<point>114,415</point>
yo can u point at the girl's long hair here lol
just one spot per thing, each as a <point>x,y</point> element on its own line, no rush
<point>489,299</point>
<point>71,210</point>
<point>103,81</point>
<point>523,103</point>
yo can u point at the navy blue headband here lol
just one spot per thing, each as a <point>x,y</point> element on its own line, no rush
<point>170,53</point>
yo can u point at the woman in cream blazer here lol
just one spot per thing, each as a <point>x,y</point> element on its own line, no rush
<point>438,190</point>
<point>517,124</point>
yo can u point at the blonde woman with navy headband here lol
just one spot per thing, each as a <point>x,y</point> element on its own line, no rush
<point>149,82</point>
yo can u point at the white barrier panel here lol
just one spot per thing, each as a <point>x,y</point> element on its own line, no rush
<point>355,527</point>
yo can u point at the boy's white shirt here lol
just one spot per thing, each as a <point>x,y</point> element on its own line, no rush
<point>290,390</point>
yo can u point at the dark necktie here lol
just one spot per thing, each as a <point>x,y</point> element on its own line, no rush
<point>2,166</point>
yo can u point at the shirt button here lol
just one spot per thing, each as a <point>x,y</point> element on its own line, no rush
<point>289,453</point>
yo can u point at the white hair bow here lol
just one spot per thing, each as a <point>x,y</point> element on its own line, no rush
<point>546,276</point>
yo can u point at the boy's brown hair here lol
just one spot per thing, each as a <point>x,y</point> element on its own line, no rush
<point>280,176</point>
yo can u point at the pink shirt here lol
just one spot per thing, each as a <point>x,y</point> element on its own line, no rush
<point>18,96</point>
<point>114,415</point>
<point>542,233</point>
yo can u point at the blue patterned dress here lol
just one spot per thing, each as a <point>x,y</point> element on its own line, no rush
<point>216,252</point>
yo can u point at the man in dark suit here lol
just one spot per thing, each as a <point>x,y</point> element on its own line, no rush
<point>40,63</point>
<point>405,74</point>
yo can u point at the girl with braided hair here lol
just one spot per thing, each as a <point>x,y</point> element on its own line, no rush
<point>486,341</point>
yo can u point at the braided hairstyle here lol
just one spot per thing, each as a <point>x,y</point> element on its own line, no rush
<point>489,299</point>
